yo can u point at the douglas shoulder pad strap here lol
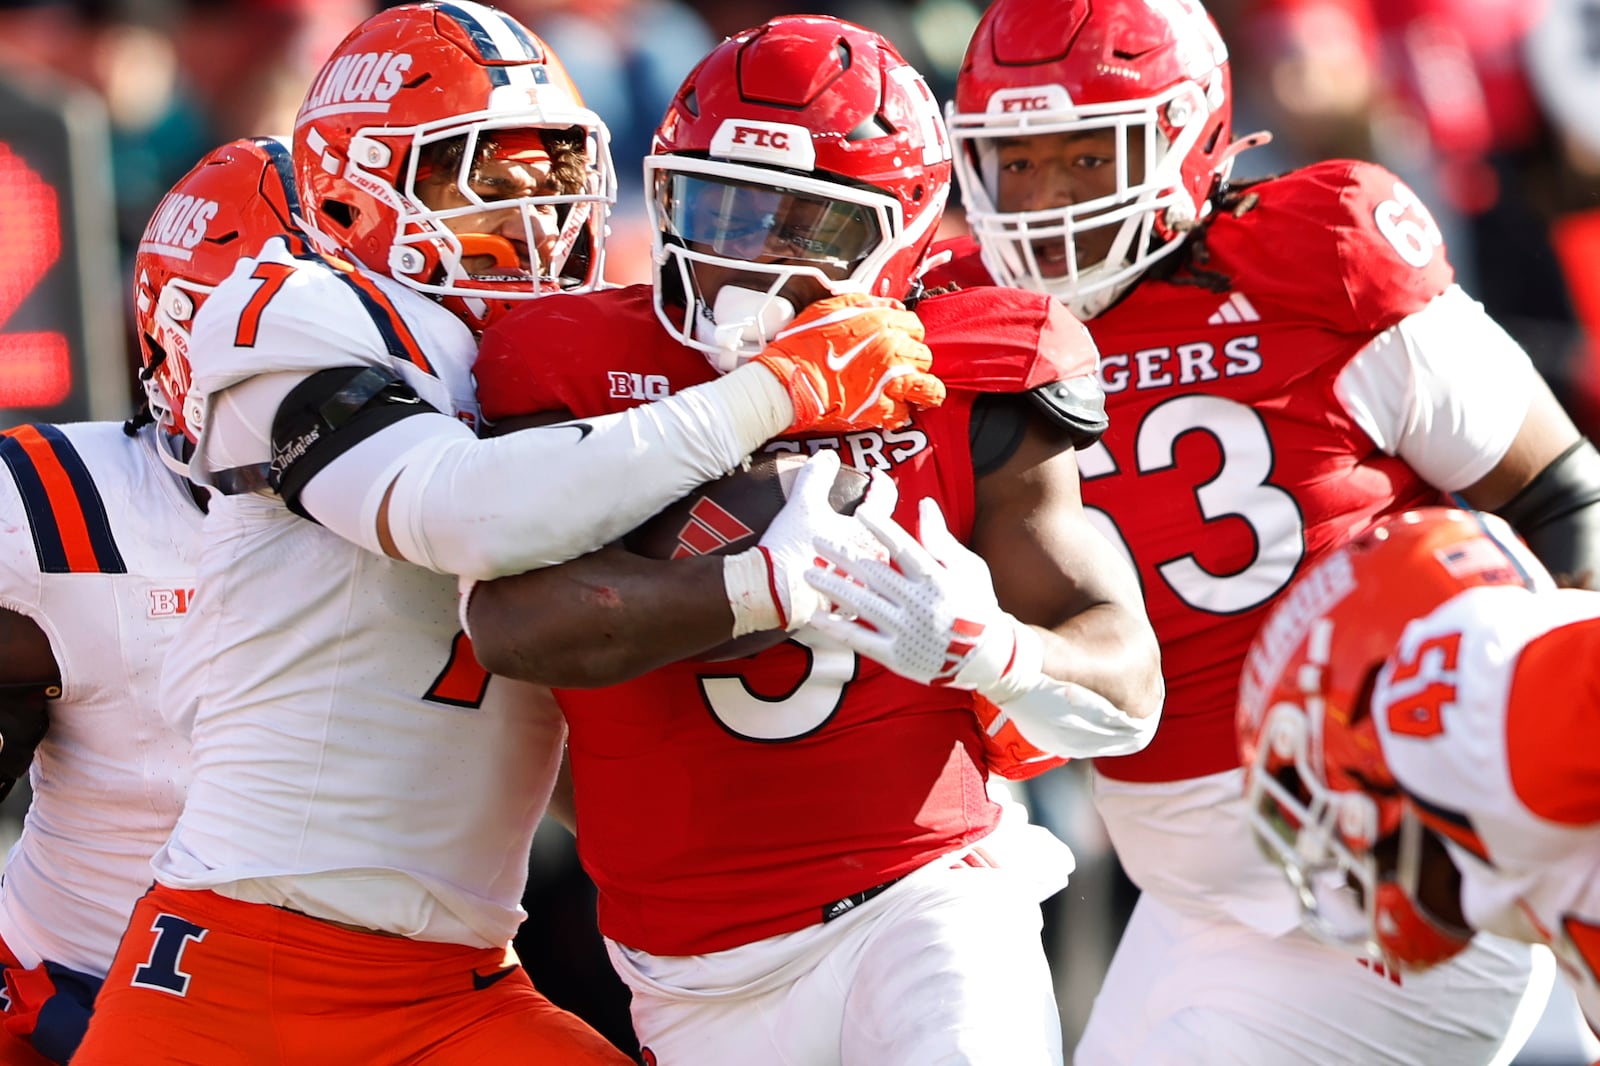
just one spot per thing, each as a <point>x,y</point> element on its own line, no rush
<point>329,413</point>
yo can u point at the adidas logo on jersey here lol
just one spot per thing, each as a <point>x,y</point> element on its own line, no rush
<point>364,81</point>
<point>1236,308</point>
<point>178,225</point>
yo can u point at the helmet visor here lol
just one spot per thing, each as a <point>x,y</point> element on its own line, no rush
<point>761,223</point>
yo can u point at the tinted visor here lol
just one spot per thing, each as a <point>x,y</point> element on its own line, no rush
<point>749,222</point>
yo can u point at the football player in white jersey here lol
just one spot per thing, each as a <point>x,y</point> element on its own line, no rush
<point>1414,723</point>
<point>363,795</point>
<point>99,534</point>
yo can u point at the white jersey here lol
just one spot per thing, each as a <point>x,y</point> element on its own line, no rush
<point>351,759</point>
<point>97,546</point>
<point>1506,772</point>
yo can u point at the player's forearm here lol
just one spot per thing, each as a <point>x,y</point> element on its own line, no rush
<point>598,620</point>
<point>1109,649</point>
<point>1089,689</point>
<point>488,508</point>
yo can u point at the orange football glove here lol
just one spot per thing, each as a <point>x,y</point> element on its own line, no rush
<point>1004,750</point>
<point>853,362</point>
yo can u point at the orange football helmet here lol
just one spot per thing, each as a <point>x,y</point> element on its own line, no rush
<point>1322,800</point>
<point>232,202</point>
<point>413,81</point>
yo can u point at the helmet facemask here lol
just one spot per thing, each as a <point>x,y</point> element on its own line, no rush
<point>1148,212</point>
<point>549,240</point>
<point>739,246</point>
<point>1354,856</point>
<point>1305,828</point>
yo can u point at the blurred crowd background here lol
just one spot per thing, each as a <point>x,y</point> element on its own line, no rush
<point>1490,109</point>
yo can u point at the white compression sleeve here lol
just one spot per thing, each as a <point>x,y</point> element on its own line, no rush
<point>486,508</point>
<point>1062,717</point>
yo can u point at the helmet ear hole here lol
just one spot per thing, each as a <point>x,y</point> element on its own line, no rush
<point>340,212</point>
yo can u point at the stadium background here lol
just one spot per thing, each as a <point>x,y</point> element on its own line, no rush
<point>1486,107</point>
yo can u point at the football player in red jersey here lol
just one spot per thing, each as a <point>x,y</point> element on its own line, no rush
<point>796,857</point>
<point>1406,723</point>
<point>1284,362</point>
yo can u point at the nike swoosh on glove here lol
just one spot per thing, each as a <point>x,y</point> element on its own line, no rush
<point>766,585</point>
<point>853,362</point>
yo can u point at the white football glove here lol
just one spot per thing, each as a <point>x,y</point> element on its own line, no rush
<point>936,620</point>
<point>766,585</point>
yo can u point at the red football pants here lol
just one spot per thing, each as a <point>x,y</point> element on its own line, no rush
<point>200,980</point>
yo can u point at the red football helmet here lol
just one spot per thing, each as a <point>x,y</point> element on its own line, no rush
<point>417,79</point>
<point>1155,72</point>
<point>804,148</point>
<point>1322,800</point>
<point>223,210</point>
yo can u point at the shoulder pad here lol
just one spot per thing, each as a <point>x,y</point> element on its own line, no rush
<point>993,339</point>
<point>521,360</point>
<point>1341,242</point>
<point>1077,405</point>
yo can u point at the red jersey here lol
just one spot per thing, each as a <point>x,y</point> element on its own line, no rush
<point>723,802</point>
<point>1230,462</point>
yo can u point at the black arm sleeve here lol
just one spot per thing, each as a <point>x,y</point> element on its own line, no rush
<point>326,415</point>
<point>1557,514</point>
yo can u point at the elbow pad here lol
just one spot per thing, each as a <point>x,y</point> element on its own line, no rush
<point>1556,514</point>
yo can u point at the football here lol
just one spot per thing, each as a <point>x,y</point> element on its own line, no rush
<point>729,515</point>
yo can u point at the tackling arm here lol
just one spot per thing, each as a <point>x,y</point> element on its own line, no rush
<point>612,615</point>
<point>388,472</point>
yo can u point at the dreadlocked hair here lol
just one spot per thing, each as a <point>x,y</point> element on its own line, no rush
<point>1190,265</point>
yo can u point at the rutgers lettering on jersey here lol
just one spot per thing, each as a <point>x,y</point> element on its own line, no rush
<point>1229,459</point>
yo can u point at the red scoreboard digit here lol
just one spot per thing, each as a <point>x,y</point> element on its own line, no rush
<point>61,300</point>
